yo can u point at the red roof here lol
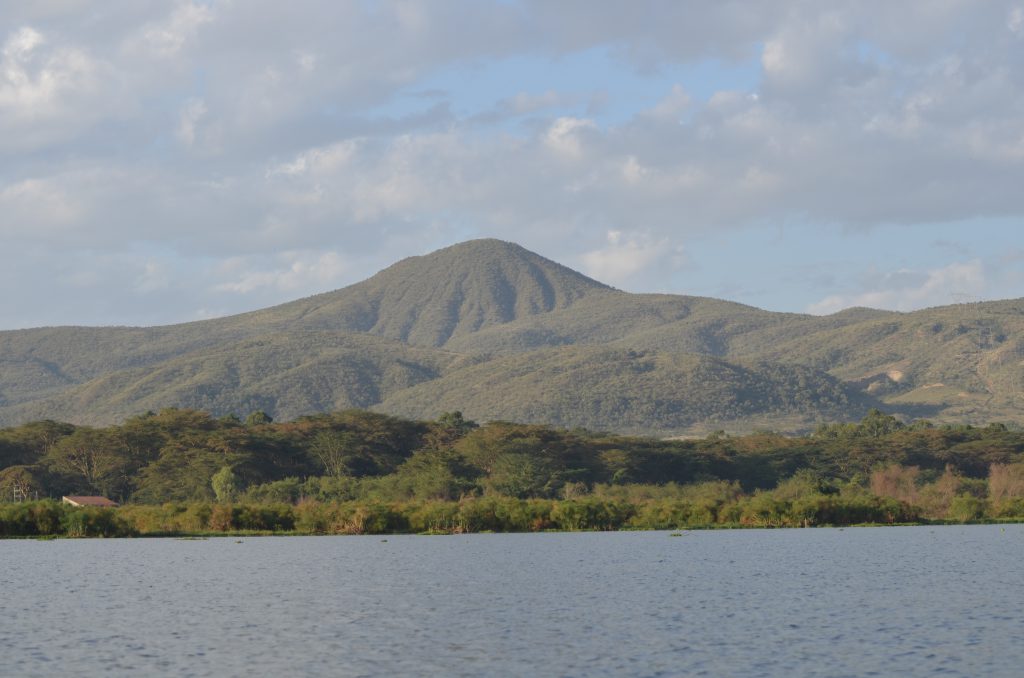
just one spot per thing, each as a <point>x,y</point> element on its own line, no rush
<point>89,501</point>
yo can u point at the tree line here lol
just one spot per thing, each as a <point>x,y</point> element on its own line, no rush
<point>877,470</point>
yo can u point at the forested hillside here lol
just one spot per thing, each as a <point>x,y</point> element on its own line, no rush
<point>498,332</point>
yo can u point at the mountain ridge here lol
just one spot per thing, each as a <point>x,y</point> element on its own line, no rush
<point>423,332</point>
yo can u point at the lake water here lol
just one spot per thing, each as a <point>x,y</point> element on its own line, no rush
<point>907,601</point>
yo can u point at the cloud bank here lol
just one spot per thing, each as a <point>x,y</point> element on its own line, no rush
<point>164,163</point>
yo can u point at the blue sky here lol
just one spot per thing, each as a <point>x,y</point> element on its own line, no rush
<point>170,161</point>
<point>595,83</point>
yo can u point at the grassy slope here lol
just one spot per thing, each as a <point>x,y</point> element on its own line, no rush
<point>488,299</point>
<point>623,390</point>
<point>421,300</point>
<point>285,374</point>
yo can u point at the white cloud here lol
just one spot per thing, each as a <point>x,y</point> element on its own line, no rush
<point>19,48</point>
<point>890,113</point>
<point>319,161</point>
<point>292,272</point>
<point>563,136</point>
<point>306,60</point>
<point>166,38</point>
<point>1015,21</point>
<point>47,92</point>
<point>155,275</point>
<point>191,113</point>
<point>774,57</point>
<point>627,254</point>
<point>35,205</point>
<point>906,290</point>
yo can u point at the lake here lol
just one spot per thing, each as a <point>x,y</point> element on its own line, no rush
<point>909,601</point>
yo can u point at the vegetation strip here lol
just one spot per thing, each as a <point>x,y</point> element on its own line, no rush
<point>182,472</point>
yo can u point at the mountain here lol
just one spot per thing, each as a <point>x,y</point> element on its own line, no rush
<point>421,300</point>
<point>287,374</point>
<point>435,299</point>
<point>499,332</point>
<point>599,388</point>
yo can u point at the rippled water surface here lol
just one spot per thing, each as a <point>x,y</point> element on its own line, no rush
<point>910,601</point>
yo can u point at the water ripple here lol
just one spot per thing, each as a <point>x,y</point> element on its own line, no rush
<point>854,602</point>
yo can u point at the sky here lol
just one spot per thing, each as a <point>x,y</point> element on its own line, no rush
<point>165,162</point>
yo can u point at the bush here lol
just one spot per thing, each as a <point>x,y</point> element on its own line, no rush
<point>222,518</point>
<point>272,517</point>
<point>95,522</point>
<point>673,514</point>
<point>1010,508</point>
<point>524,515</point>
<point>311,517</point>
<point>965,507</point>
<point>435,517</point>
<point>591,514</point>
<point>371,518</point>
<point>16,520</point>
<point>46,517</point>
<point>480,515</point>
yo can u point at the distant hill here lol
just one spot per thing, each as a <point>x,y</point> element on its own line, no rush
<point>499,332</point>
<point>629,391</point>
<point>287,374</point>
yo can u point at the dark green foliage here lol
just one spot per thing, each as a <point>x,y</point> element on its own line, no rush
<point>451,475</point>
<point>258,418</point>
<point>435,474</point>
<point>50,518</point>
<point>41,518</point>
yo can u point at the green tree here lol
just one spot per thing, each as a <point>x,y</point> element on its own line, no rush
<point>876,424</point>
<point>21,483</point>
<point>95,458</point>
<point>225,484</point>
<point>258,418</point>
<point>521,476</point>
<point>449,428</point>
<point>180,473</point>
<point>29,443</point>
<point>435,474</point>
<point>333,450</point>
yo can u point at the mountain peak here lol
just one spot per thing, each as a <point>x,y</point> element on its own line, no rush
<point>430,299</point>
<point>466,287</point>
<point>497,253</point>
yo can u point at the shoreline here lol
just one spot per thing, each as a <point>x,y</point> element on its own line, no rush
<point>205,535</point>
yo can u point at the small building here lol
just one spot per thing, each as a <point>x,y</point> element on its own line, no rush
<point>101,502</point>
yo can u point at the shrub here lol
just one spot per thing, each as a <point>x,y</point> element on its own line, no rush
<point>965,507</point>
<point>591,514</point>
<point>435,517</point>
<point>221,518</point>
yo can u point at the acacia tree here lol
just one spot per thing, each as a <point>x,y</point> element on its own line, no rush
<point>521,475</point>
<point>95,456</point>
<point>29,443</point>
<point>333,450</point>
<point>436,474</point>
<point>449,428</point>
<point>18,483</point>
